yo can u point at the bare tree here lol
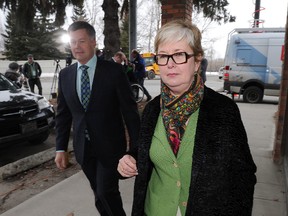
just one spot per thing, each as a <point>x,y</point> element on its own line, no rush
<point>2,30</point>
<point>149,19</point>
<point>96,14</point>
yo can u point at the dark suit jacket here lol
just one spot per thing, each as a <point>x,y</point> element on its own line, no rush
<point>111,101</point>
<point>223,171</point>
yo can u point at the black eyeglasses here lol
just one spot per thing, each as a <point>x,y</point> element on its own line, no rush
<point>178,58</point>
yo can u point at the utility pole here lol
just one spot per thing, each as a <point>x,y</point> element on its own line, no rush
<point>132,25</point>
<point>257,14</point>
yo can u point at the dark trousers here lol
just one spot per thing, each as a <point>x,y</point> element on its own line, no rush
<point>141,83</point>
<point>104,182</point>
<point>36,81</point>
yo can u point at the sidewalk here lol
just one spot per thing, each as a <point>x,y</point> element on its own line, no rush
<point>74,195</point>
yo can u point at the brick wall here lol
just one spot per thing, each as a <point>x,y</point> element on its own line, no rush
<point>281,136</point>
<point>176,9</point>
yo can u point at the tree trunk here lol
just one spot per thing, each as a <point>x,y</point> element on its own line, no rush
<point>111,28</point>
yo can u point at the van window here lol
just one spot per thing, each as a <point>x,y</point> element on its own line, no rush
<point>243,56</point>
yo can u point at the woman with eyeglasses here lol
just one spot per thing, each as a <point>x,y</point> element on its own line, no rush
<point>193,155</point>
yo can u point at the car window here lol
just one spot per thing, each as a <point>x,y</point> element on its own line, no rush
<point>5,84</point>
<point>148,61</point>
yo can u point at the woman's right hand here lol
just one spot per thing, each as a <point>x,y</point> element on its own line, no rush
<point>127,166</point>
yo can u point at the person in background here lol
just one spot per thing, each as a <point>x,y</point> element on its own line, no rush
<point>99,54</point>
<point>140,71</point>
<point>68,60</point>
<point>32,71</point>
<point>193,155</point>
<point>203,68</point>
<point>25,84</point>
<point>96,96</point>
<point>12,73</point>
<point>121,58</point>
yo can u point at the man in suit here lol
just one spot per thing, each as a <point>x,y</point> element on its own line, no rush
<point>99,139</point>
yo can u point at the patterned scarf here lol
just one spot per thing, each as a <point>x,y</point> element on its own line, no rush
<point>177,110</point>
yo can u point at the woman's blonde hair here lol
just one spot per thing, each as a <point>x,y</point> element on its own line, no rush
<point>178,30</point>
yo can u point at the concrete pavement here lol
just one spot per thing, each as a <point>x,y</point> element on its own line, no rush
<point>73,195</point>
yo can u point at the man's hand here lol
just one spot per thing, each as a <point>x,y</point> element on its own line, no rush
<point>127,166</point>
<point>61,160</point>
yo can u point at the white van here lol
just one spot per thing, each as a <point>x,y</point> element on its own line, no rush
<point>253,62</point>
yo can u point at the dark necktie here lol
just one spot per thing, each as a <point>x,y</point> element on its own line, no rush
<point>85,86</point>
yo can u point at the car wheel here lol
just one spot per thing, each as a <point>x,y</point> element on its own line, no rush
<point>151,74</point>
<point>39,139</point>
<point>253,94</point>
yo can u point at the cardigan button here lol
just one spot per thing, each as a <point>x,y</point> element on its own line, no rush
<point>184,204</point>
<point>178,183</point>
<point>175,164</point>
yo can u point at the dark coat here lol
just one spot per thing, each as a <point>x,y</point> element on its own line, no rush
<point>26,69</point>
<point>12,75</point>
<point>140,70</point>
<point>223,171</point>
<point>110,103</point>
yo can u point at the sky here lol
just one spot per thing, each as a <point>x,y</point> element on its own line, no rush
<point>273,13</point>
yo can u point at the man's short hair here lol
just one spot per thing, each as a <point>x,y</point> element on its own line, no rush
<point>29,56</point>
<point>120,54</point>
<point>135,51</point>
<point>82,25</point>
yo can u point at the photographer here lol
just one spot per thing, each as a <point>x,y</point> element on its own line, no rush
<point>32,71</point>
<point>12,73</point>
<point>129,68</point>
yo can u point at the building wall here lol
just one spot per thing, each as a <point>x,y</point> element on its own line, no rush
<point>176,9</point>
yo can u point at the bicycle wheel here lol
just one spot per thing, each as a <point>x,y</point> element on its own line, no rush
<point>138,92</point>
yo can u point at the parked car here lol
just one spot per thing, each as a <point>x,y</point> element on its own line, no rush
<point>24,116</point>
<point>221,72</point>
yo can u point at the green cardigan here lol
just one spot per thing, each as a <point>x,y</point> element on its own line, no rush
<point>168,187</point>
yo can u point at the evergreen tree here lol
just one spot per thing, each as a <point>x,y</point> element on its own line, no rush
<point>40,42</point>
<point>124,39</point>
<point>14,41</point>
<point>79,13</point>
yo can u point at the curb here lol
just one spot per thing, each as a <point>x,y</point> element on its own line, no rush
<point>28,162</point>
